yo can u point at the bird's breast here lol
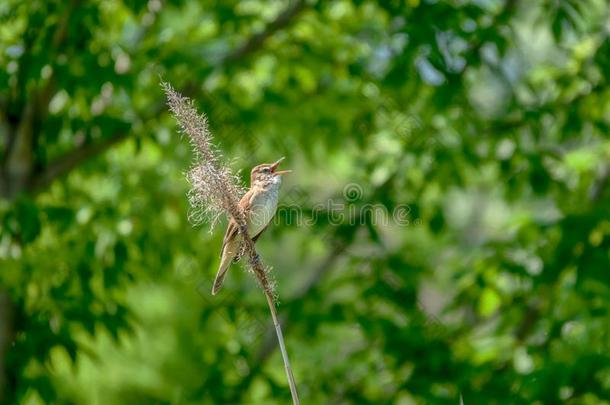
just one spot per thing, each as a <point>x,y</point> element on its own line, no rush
<point>262,210</point>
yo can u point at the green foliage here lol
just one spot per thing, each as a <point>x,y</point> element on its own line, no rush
<point>479,127</point>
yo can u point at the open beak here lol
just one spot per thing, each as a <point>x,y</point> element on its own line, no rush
<point>275,166</point>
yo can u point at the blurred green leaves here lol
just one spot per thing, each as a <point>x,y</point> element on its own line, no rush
<point>486,121</point>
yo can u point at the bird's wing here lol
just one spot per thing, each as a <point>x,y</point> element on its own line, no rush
<point>232,228</point>
<point>249,200</point>
<point>229,235</point>
<point>242,250</point>
<point>259,234</point>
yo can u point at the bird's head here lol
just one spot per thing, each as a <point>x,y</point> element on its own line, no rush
<point>267,173</point>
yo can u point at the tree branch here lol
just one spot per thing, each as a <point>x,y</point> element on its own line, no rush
<point>7,316</point>
<point>71,160</point>
<point>256,41</point>
<point>64,164</point>
<point>599,184</point>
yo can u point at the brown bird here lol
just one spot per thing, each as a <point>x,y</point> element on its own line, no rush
<point>259,204</point>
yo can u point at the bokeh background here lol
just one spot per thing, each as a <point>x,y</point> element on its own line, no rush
<point>484,121</point>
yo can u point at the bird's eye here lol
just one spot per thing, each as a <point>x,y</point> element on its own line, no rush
<point>266,170</point>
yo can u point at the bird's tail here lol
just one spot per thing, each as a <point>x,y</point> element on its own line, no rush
<point>225,262</point>
<point>220,276</point>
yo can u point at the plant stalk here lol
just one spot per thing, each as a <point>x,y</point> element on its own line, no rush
<point>280,339</point>
<point>217,188</point>
<point>259,272</point>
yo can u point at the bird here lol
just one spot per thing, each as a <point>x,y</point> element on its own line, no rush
<point>259,205</point>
